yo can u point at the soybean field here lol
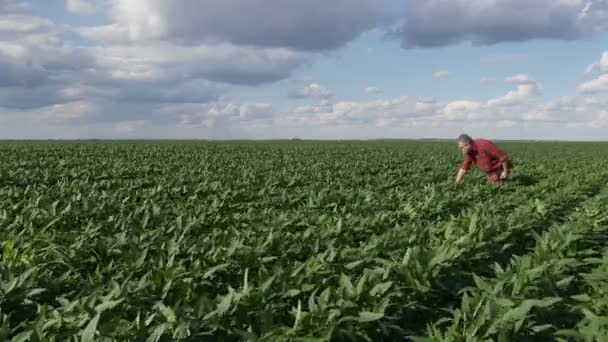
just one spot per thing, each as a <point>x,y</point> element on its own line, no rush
<point>300,241</point>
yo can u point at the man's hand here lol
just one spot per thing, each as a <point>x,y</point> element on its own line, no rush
<point>505,170</point>
<point>460,176</point>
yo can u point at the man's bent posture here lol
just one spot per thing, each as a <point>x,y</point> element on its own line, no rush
<point>486,156</point>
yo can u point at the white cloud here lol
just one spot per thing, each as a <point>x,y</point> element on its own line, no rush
<point>505,109</point>
<point>79,7</point>
<point>527,88</point>
<point>566,109</point>
<point>111,33</point>
<point>67,111</point>
<point>604,62</point>
<point>600,83</point>
<point>14,6</point>
<point>130,126</point>
<point>377,113</point>
<point>311,91</point>
<point>308,25</point>
<point>222,62</point>
<point>523,93</point>
<point>506,123</point>
<point>255,111</point>
<point>592,68</point>
<point>220,113</point>
<point>597,85</point>
<point>372,90</point>
<point>431,23</point>
<point>22,23</point>
<point>521,79</point>
<point>441,74</point>
<point>63,113</point>
<point>601,121</point>
<point>460,109</point>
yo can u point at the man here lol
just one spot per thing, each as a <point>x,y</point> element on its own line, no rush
<point>486,156</point>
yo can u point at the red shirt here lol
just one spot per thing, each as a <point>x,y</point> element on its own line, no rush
<point>485,155</point>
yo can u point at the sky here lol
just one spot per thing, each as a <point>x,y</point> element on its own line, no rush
<point>314,69</point>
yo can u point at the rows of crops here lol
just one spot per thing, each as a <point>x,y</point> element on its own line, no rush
<point>300,241</point>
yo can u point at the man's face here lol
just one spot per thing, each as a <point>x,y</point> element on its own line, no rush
<point>464,147</point>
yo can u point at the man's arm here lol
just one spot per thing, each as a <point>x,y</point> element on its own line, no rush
<point>460,176</point>
<point>505,169</point>
<point>464,167</point>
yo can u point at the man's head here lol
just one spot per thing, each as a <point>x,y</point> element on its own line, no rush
<point>465,143</point>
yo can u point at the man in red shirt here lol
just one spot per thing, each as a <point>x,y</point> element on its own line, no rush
<point>486,156</point>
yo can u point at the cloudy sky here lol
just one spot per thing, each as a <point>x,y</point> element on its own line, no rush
<point>340,69</point>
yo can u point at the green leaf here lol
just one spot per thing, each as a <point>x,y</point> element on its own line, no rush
<point>520,312</point>
<point>380,289</point>
<point>347,284</point>
<point>565,282</point>
<point>581,298</point>
<point>167,312</point>
<point>292,293</point>
<point>324,297</point>
<point>539,328</point>
<point>158,332</point>
<point>108,305</point>
<point>354,264</point>
<point>34,292</point>
<point>366,316</point>
<point>505,302</point>
<point>23,337</point>
<point>214,269</point>
<point>224,304</point>
<point>88,335</point>
<point>266,285</point>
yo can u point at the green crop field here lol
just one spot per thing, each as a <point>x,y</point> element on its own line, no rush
<point>300,241</point>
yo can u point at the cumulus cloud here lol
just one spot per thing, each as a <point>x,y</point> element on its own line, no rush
<point>521,79</point>
<point>432,23</point>
<point>79,7</point>
<point>158,54</point>
<point>220,113</point>
<point>378,112</point>
<point>566,109</point>
<point>441,74</point>
<point>52,114</point>
<point>527,88</point>
<point>460,108</point>
<point>570,111</point>
<point>372,90</point>
<point>256,111</point>
<point>14,6</point>
<point>601,121</point>
<point>523,93</point>
<point>40,70</point>
<point>34,63</point>
<point>17,23</point>
<point>506,123</point>
<point>600,83</point>
<point>496,108</point>
<point>301,25</point>
<point>225,63</point>
<point>597,85</point>
<point>311,91</point>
